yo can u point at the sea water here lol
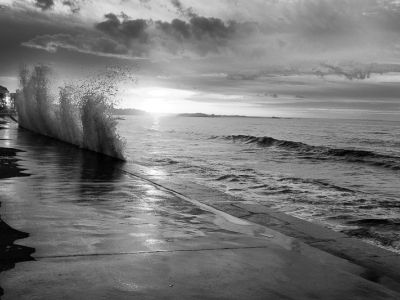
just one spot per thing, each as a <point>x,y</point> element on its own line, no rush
<point>342,174</point>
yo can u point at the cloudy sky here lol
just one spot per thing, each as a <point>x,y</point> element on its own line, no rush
<point>292,58</point>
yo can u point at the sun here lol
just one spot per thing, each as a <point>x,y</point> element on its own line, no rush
<point>159,100</point>
<point>158,106</point>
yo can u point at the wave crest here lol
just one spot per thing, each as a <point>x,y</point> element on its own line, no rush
<point>321,152</point>
<point>80,115</point>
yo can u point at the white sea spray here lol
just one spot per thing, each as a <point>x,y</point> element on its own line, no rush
<point>81,114</point>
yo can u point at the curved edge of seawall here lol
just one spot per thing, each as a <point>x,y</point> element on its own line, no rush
<point>381,266</point>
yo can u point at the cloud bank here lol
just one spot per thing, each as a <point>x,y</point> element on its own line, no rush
<point>120,35</point>
<point>247,34</point>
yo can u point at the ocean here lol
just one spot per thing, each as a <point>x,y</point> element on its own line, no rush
<point>341,174</point>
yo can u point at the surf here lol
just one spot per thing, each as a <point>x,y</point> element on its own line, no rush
<point>81,114</point>
<point>320,152</point>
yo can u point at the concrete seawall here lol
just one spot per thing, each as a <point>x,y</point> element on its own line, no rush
<point>380,265</point>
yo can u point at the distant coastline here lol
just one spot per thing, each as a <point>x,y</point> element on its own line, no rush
<point>202,115</point>
<point>138,112</point>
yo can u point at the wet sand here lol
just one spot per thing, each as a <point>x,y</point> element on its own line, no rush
<point>102,229</point>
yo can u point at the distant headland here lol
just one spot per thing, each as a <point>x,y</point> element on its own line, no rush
<point>138,112</point>
<point>202,115</point>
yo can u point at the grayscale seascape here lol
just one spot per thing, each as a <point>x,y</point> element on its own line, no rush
<point>183,149</point>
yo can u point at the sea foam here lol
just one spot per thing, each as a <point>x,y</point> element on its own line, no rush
<point>320,152</point>
<point>81,114</point>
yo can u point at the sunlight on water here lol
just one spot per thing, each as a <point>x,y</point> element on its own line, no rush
<point>153,171</point>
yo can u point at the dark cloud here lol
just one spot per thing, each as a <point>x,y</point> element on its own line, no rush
<point>199,35</point>
<point>126,29</point>
<point>141,38</point>
<point>44,4</point>
<point>210,27</point>
<point>199,29</point>
<point>178,29</point>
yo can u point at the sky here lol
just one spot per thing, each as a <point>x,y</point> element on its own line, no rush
<point>286,58</point>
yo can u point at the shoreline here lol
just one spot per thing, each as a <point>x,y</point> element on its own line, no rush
<point>383,265</point>
<point>314,242</point>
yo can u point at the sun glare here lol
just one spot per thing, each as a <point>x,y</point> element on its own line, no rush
<point>158,100</point>
<point>158,106</point>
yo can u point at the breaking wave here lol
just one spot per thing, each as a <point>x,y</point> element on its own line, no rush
<point>80,115</point>
<point>321,152</point>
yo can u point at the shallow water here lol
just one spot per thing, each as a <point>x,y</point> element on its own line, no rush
<point>343,174</point>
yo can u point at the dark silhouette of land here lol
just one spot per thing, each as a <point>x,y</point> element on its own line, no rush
<point>202,115</point>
